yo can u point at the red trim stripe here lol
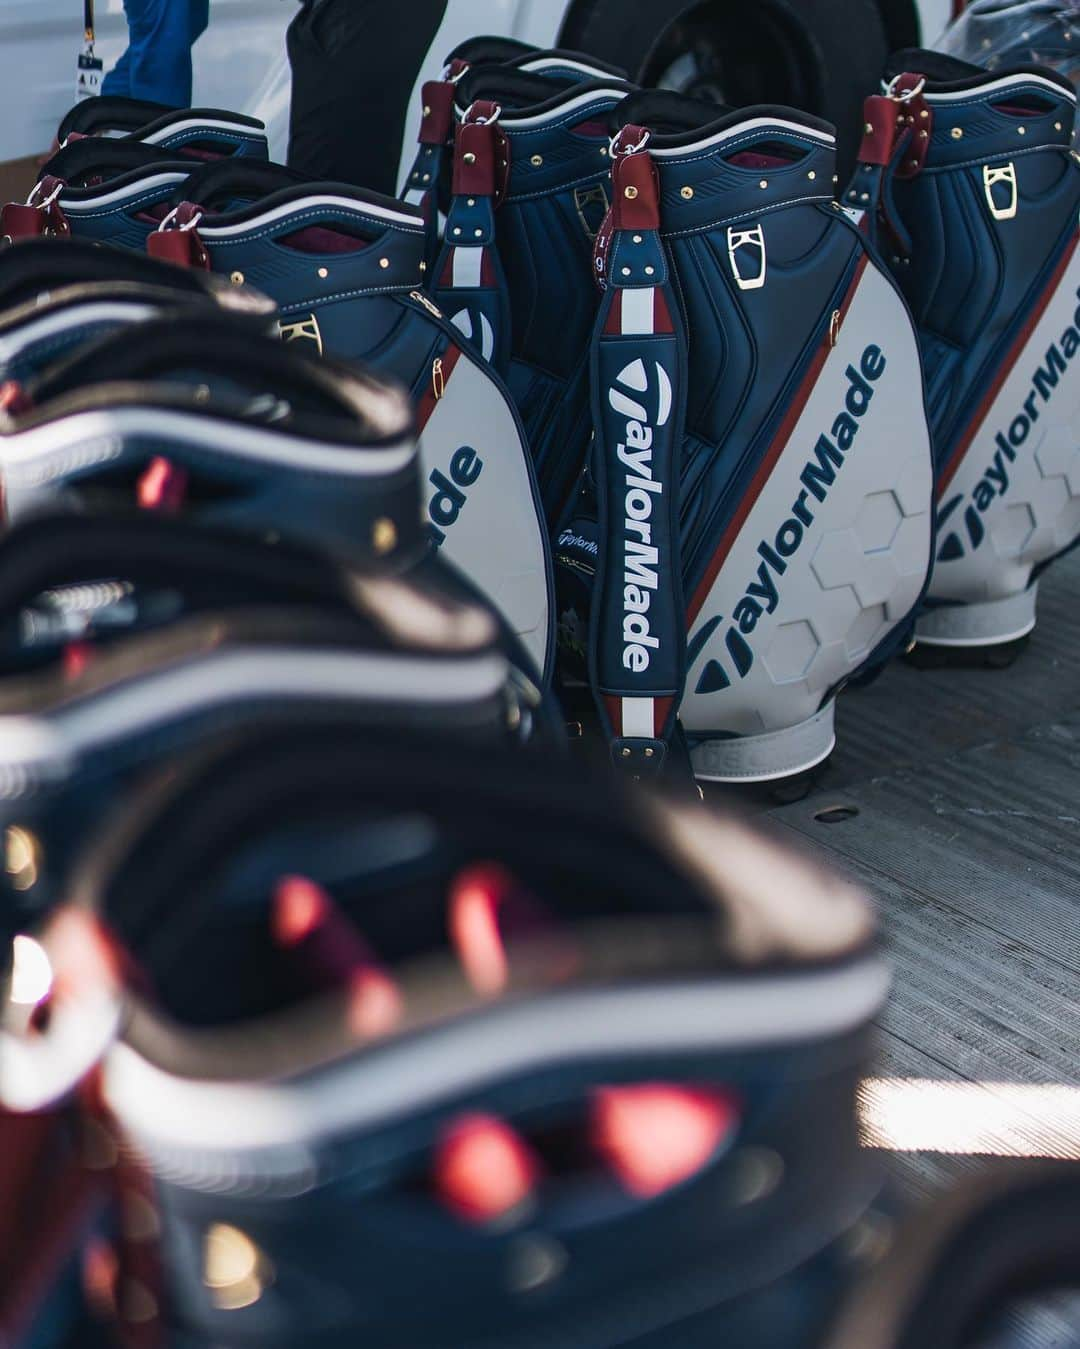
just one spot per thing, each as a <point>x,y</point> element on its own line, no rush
<point>1004,371</point>
<point>613,322</point>
<point>428,402</point>
<point>768,463</point>
<point>614,711</point>
<point>661,314</point>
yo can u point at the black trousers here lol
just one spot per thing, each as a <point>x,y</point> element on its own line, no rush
<point>354,64</point>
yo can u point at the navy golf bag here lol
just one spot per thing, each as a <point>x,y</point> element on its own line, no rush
<point>428,185</point>
<point>196,133</point>
<point>201,415</point>
<point>406,1047</point>
<point>762,460</point>
<point>528,194</point>
<point>56,295</point>
<point>969,184</point>
<point>345,268</point>
<point>126,639</point>
<point>103,190</point>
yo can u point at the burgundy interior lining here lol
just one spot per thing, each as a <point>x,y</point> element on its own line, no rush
<point>594,128</point>
<point>759,159</point>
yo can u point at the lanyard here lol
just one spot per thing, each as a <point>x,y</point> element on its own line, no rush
<point>88,20</point>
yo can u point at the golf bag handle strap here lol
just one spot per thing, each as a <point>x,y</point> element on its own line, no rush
<point>637,631</point>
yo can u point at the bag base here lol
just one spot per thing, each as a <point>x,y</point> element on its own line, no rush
<point>990,623</point>
<point>771,755</point>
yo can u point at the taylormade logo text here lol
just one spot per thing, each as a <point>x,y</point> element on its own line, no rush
<point>641,558</point>
<point>762,594</point>
<point>996,478</point>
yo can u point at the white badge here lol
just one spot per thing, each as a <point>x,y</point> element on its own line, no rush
<point>88,73</point>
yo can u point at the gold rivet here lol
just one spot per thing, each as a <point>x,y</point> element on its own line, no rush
<point>648,753</point>
<point>1057,126</point>
<point>423,266</point>
<point>536,161</point>
<point>603,150</point>
<point>637,238</point>
<point>469,157</point>
<point>1021,130</point>
<point>925,113</point>
<point>384,263</point>
<point>383,535</point>
<point>764,182</point>
<point>811,175</point>
<point>471,201</point>
<point>956,132</point>
<point>649,271</point>
<point>630,192</point>
<point>869,128</point>
<point>323,273</point>
<point>237,278</point>
<point>234,1269</point>
<point>686,193</point>
<point>923,135</point>
<point>427,110</point>
<point>22,856</point>
<point>626,754</point>
<point>137,1303</point>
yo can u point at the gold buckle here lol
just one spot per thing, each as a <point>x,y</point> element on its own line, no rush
<point>1002,173</point>
<point>754,237</point>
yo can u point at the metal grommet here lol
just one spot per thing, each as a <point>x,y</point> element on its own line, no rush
<point>470,201</point>
<point>649,271</point>
<point>956,132</point>
<point>457,230</point>
<point>637,238</point>
<point>811,175</point>
<point>323,273</point>
<point>764,183</point>
<point>237,278</point>
<point>384,263</point>
<point>469,157</point>
<point>536,161</point>
<point>383,535</point>
<point>626,271</point>
<point>630,192</point>
<point>686,193</point>
<point>427,110</point>
<point>426,178</point>
<point>1021,130</point>
<point>868,128</point>
<point>1057,126</point>
<point>626,754</point>
<point>478,234</point>
<point>864,196</point>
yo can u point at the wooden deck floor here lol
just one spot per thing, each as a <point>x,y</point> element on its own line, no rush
<point>967,787</point>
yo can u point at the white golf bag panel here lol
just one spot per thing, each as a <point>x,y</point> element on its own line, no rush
<point>830,557</point>
<point>1015,491</point>
<point>481,504</point>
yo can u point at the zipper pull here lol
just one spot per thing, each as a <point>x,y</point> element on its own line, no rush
<point>438,383</point>
<point>421,298</point>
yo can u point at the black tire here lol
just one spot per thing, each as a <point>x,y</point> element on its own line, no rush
<point>824,56</point>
